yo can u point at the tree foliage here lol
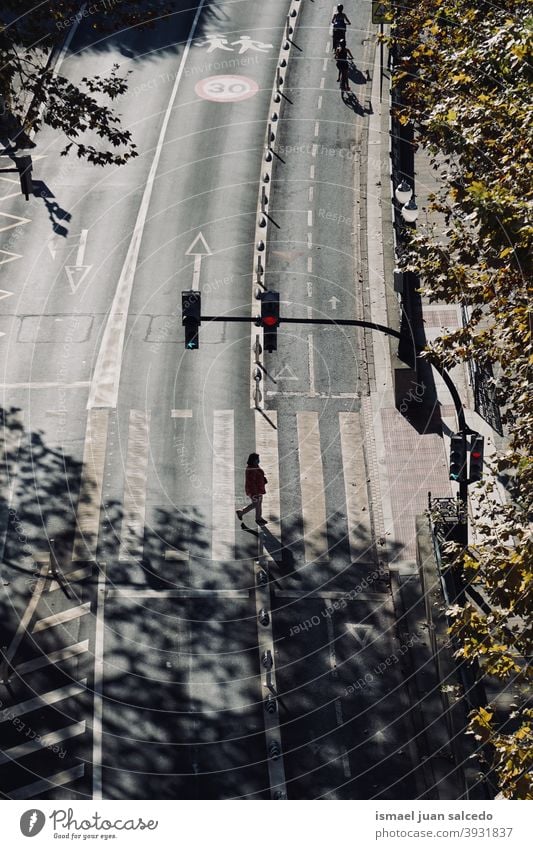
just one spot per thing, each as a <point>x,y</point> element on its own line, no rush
<point>28,33</point>
<point>463,73</point>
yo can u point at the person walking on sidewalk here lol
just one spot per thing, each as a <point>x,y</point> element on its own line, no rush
<point>254,485</point>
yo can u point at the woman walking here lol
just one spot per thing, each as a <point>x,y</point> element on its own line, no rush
<point>254,485</point>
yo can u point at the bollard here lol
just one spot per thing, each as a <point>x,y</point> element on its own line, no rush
<point>260,245</point>
<point>264,618</point>
<point>271,704</point>
<point>257,399</point>
<point>274,750</point>
<point>262,577</point>
<point>257,375</point>
<point>266,178</point>
<point>261,221</point>
<point>266,659</point>
<point>283,63</point>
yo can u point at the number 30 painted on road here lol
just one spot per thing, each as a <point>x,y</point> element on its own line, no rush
<point>226,88</point>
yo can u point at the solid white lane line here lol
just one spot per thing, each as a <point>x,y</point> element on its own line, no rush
<point>106,377</point>
<point>223,509</point>
<point>133,519</point>
<point>181,593</point>
<point>44,700</point>
<point>353,465</point>
<point>50,783</point>
<point>92,478</point>
<point>46,385</point>
<point>53,657</point>
<point>312,488</point>
<point>266,444</point>
<point>44,742</point>
<point>98,700</point>
<point>181,414</point>
<point>60,618</point>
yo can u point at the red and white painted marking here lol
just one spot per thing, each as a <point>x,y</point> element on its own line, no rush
<point>226,88</point>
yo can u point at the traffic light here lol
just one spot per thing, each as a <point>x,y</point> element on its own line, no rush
<point>191,311</point>
<point>475,471</point>
<point>25,167</point>
<point>270,319</point>
<point>457,457</point>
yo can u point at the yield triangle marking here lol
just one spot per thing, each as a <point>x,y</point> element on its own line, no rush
<point>5,294</point>
<point>9,257</point>
<point>286,373</point>
<point>16,218</point>
<point>76,275</point>
<point>204,251</point>
<point>361,633</point>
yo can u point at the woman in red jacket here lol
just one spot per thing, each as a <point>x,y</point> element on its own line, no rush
<point>254,485</point>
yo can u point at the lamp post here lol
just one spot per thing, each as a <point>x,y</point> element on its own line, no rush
<point>409,211</point>
<point>403,192</point>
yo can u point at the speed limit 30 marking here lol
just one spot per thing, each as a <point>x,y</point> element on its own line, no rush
<point>226,88</point>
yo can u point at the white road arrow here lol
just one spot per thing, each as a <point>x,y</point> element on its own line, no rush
<point>198,251</point>
<point>333,301</point>
<point>77,273</point>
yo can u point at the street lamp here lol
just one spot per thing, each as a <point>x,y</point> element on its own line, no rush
<point>410,211</point>
<point>403,192</point>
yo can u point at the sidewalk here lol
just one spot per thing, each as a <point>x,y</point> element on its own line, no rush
<point>408,458</point>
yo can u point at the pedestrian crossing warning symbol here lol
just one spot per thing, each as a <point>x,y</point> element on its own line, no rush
<point>381,12</point>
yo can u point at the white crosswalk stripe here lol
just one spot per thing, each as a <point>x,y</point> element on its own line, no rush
<point>88,514</point>
<point>223,509</point>
<point>135,486</point>
<point>312,488</point>
<point>353,464</point>
<point>44,742</point>
<point>266,445</point>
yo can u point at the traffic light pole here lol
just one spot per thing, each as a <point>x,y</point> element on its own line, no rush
<point>462,525</point>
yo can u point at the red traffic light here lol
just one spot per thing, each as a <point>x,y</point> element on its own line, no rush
<point>269,320</point>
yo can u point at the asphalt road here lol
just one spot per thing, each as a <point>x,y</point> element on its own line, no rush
<point>140,662</point>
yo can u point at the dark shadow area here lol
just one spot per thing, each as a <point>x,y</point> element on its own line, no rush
<point>356,76</point>
<point>56,214</point>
